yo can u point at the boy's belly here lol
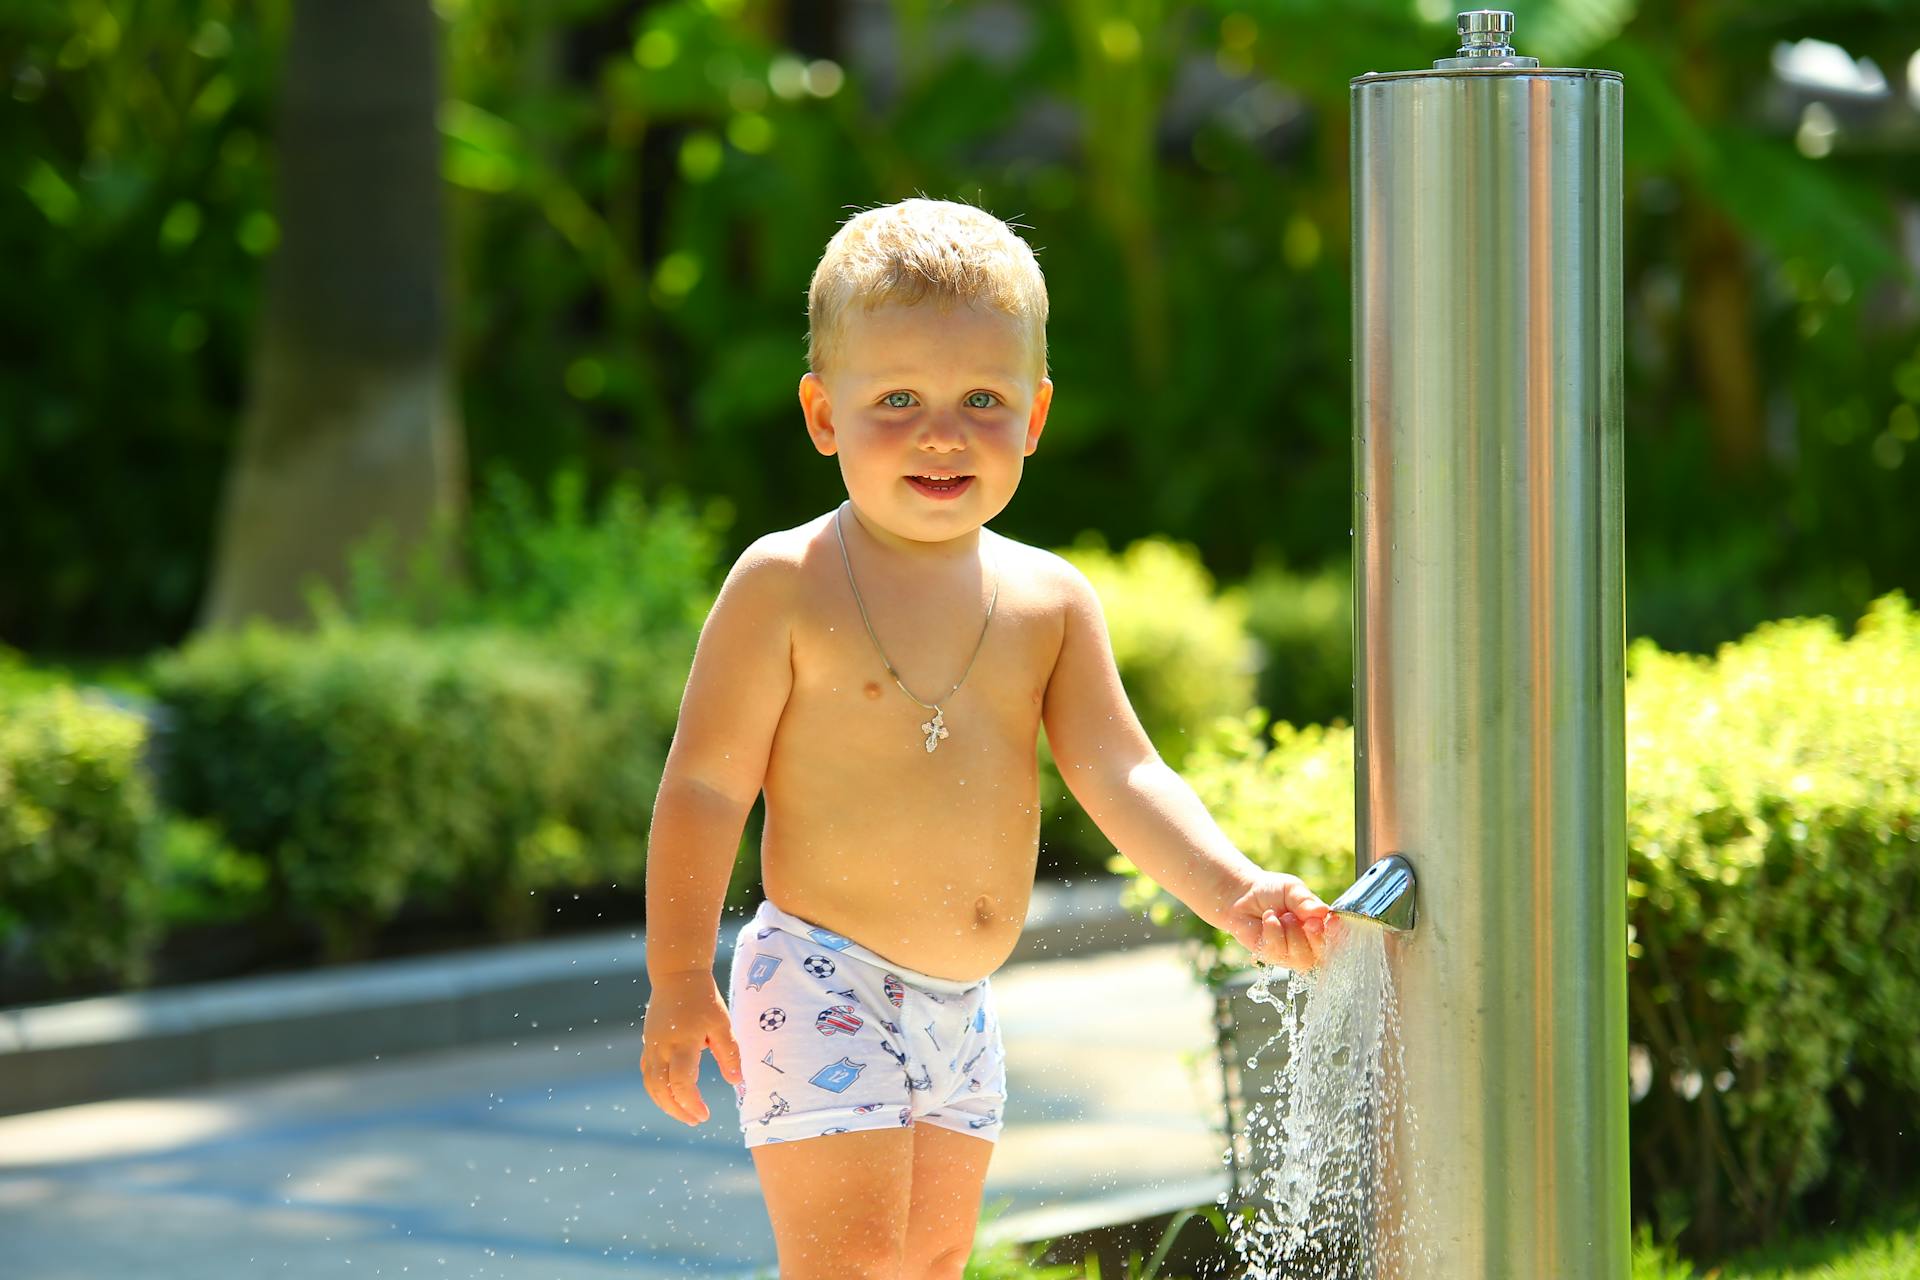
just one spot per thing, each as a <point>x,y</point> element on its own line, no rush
<point>928,861</point>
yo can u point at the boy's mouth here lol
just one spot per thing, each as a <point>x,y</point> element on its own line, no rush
<point>941,486</point>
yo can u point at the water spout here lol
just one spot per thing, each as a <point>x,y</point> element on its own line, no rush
<point>1383,896</point>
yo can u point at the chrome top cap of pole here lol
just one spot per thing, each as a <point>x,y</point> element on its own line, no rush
<point>1383,896</point>
<point>1486,40</point>
<point>1485,32</point>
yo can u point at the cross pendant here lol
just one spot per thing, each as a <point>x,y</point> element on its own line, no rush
<point>935,729</point>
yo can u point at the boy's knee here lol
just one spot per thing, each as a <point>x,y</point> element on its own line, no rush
<point>948,1264</point>
<point>848,1263</point>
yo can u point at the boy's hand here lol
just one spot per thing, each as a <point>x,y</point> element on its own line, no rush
<point>685,1015</point>
<point>1280,921</point>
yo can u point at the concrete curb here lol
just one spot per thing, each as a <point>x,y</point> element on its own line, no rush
<point>204,1033</point>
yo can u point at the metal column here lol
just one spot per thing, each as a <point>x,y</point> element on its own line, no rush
<point>1490,641</point>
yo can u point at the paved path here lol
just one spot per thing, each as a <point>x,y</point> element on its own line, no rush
<point>544,1157</point>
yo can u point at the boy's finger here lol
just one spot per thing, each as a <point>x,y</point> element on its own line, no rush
<point>1316,932</point>
<point>653,1073</point>
<point>683,1078</point>
<point>1299,953</point>
<point>1305,904</point>
<point>726,1055</point>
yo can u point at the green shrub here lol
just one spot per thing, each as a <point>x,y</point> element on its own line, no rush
<point>201,878</point>
<point>365,764</point>
<point>618,590</point>
<point>647,575</point>
<point>77,828</point>
<point>1773,822</point>
<point>1284,796</point>
<point>1182,650</point>
<point>1774,908</point>
<point>1183,655</point>
<point>1303,624</point>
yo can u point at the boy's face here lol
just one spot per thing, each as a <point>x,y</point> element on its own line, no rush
<point>915,390</point>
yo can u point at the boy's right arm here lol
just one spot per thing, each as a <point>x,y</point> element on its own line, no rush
<point>742,673</point>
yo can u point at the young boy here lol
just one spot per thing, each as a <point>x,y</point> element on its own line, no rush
<point>881,672</point>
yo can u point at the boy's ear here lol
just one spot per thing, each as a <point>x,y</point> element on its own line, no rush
<point>818,413</point>
<point>1037,418</point>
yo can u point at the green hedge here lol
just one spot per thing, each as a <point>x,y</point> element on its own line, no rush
<point>1774,906</point>
<point>1774,898</point>
<point>1303,625</point>
<point>616,586</point>
<point>1183,654</point>
<point>368,764</point>
<point>77,837</point>
<point>463,729</point>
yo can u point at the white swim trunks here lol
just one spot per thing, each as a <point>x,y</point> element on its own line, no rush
<point>835,1039</point>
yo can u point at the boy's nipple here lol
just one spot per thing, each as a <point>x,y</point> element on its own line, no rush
<point>872,690</point>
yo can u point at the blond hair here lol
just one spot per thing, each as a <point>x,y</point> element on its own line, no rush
<point>919,250</point>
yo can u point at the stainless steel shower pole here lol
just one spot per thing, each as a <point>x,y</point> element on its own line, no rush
<point>1490,644</point>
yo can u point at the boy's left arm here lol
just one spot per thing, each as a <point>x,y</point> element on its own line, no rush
<point>1149,812</point>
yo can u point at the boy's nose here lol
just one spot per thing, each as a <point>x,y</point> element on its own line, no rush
<point>943,433</point>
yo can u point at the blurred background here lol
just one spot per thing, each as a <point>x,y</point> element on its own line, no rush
<point>386,386</point>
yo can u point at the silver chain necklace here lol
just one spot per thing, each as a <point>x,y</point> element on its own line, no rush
<point>936,728</point>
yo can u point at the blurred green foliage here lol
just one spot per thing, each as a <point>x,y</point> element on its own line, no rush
<point>642,190</point>
<point>640,570</point>
<point>1183,654</point>
<point>1774,837</point>
<point>616,589</point>
<point>1773,827</point>
<point>77,831</point>
<point>479,723</point>
<point>486,718</point>
<point>1303,624</point>
<point>136,165</point>
<point>1283,794</point>
<point>366,764</point>
<point>1180,645</point>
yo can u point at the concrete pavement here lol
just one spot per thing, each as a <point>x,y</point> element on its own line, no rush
<point>137,1042</point>
<point>541,1155</point>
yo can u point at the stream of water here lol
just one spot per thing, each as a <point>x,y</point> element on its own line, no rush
<point>1334,1177</point>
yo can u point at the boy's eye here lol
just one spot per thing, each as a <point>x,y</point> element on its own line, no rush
<point>981,400</point>
<point>898,400</point>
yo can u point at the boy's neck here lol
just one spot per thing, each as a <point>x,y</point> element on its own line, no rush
<point>964,547</point>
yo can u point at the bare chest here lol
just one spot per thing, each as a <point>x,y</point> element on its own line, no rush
<point>847,711</point>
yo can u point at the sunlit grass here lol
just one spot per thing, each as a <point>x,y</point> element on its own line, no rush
<point>1887,1249</point>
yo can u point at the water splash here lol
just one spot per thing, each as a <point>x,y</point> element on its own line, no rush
<point>1333,1170</point>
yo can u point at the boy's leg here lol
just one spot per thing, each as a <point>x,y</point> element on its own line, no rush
<point>839,1203</point>
<point>949,1173</point>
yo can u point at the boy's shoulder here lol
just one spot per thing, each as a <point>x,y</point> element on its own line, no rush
<point>1048,574</point>
<point>1035,569</point>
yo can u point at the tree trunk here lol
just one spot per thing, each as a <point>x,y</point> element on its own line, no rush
<point>351,422</point>
<point>1717,296</point>
<point>1719,325</point>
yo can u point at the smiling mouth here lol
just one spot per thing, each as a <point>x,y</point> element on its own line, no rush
<point>940,485</point>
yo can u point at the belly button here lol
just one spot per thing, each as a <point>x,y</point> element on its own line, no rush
<point>983,909</point>
<point>872,690</point>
